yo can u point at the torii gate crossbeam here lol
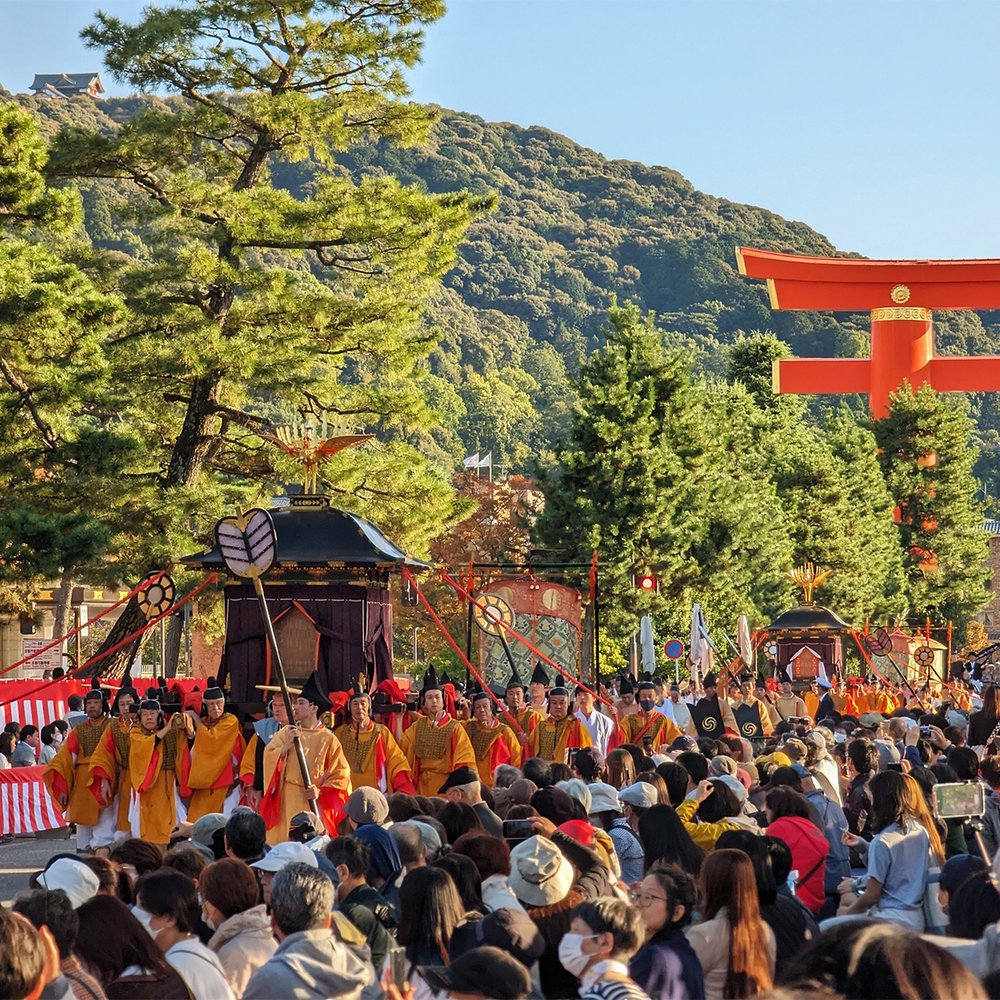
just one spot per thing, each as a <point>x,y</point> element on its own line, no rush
<point>900,295</point>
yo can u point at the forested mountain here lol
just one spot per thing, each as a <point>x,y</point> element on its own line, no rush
<point>525,303</point>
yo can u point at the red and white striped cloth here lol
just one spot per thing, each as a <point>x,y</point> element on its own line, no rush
<point>25,803</point>
<point>39,709</point>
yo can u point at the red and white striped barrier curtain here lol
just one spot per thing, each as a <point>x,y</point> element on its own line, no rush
<point>25,803</point>
<point>41,708</point>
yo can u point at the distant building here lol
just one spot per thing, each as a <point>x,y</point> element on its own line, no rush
<point>67,85</point>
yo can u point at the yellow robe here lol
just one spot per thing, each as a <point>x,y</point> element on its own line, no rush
<point>284,790</point>
<point>791,707</point>
<point>110,762</point>
<point>152,773</point>
<point>68,773</point>
<point>216,755</point>
<point>527,720</point>
<point>434,751</point>
<point>384,768</point>
<point>492,746</point>
<point>634,728</point>
<point>812,704</point>
<point>550,739</point>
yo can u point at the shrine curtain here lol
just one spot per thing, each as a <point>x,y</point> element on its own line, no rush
<point>339,613</point>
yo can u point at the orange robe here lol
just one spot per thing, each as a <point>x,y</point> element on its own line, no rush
<point>636,727</point>
<point>527,719</point>
<point>492,745</point>
<point>766,721</point>
<point>375,759</point>
<point>216,757</point>
<point>812,704</point>
<point>68,773</point>
<point>550,739</point>
<point>111,763</point>
<point>152,769</point>
<point>434,750</point>
<point>284,789</point>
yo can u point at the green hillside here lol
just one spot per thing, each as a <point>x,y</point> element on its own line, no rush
<point>525,303</point>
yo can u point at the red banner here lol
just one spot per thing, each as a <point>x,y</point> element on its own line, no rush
<point>25,803</point>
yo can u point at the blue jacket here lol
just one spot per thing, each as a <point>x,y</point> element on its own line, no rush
<point>667,967</point>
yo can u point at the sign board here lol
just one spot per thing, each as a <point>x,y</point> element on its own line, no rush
<point>48,660</point>
<point>674,649</point>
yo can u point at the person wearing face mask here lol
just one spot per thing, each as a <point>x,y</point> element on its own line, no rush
<point>603,935</point>
<point>51,741</point>
<point>436,744</point>
<point>647,723</point>
<point>171,901</point>
<point>242,938</point>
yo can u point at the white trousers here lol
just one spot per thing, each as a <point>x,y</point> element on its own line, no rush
<point>102,833</point>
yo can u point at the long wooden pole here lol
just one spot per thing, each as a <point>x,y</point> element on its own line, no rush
<point>258,587</point>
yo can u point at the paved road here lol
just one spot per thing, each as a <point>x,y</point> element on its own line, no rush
<point>19,858</point>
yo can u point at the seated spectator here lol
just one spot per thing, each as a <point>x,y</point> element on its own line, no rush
<point>604,934</point>
<point>28,746</point>
<point>485,973</point>
<point>278,858</point>
<point>363,905</point>
<point>242,937</point>
<point>171,901</point>
<point>116,949</point>
<point>974,906</point>
<point>310,962</point>
<point>861,959</point>
<point>666,965</point>
<point>734,945</point>
<point>51,741</point>
<point>24,958</point>
<point>54,911</point>
<point>710,812</point>
<point>788,820</point>
<point>410,845</point>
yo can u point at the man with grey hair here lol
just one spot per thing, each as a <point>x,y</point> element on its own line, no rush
<point>311,962</point>
<point>463,785</point>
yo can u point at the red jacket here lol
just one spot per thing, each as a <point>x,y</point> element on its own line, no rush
<point>809,852</point>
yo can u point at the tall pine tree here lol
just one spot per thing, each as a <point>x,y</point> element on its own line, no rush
<point>925,453</point>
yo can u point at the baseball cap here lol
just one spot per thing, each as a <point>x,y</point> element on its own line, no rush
<point>77,880</point>
<point>205,828</point>
<point>284,854</point>
<point>485,968</point>
<point>871,720</point>
<point>367,805</point>
<point>640,794</point>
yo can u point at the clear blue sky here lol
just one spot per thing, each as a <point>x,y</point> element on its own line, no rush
<point>874,121</point>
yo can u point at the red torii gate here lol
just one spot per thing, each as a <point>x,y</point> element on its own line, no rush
<point>900,295</point>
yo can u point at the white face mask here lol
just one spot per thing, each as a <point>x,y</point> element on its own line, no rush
<point>571,954</point>
<point>209,921</point>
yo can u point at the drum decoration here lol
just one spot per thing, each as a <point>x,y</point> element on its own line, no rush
<point>156,595</point>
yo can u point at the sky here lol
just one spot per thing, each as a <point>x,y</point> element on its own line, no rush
<point>873,121</point>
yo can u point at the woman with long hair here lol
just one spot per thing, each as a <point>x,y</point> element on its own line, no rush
<point>665,841</point>
<point>620,769</point>
<point>898,857</point>
<point>430,910</point>
<point>734,945</point>
<point>915,803</point>
<point>983,723</point>
<point>788,820</point>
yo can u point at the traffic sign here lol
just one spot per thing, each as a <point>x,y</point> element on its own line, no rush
<point>674,649</point>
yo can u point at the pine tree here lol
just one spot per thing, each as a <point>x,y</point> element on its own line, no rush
<point>649,479</point>
<point>925,453</point>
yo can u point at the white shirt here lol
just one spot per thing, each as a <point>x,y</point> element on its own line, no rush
<point>682,714</point>
<point>600,728</point>
<point>200,970</point>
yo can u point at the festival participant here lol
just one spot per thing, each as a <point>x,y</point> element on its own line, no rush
<point>285,791</point>
<point>559,732</point>
<point>647,724</point>
<point>811,697</point>
<point>252,765</point>
<point>679,708</point>
<point>626,704</point>
<point>536,690</point>
<point>374,756</point>
<point>493,742</point>
<point>601,727</point>
<point>215,756</point>
<point>750,700</point>
<point>715,697</point>
<point>839,696</point>
<point>788,704</point>
<point>527,718</point>
<point>436,744</point>
<point>109,774</point>
<point>68,777</point>
<point>156,748</point>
